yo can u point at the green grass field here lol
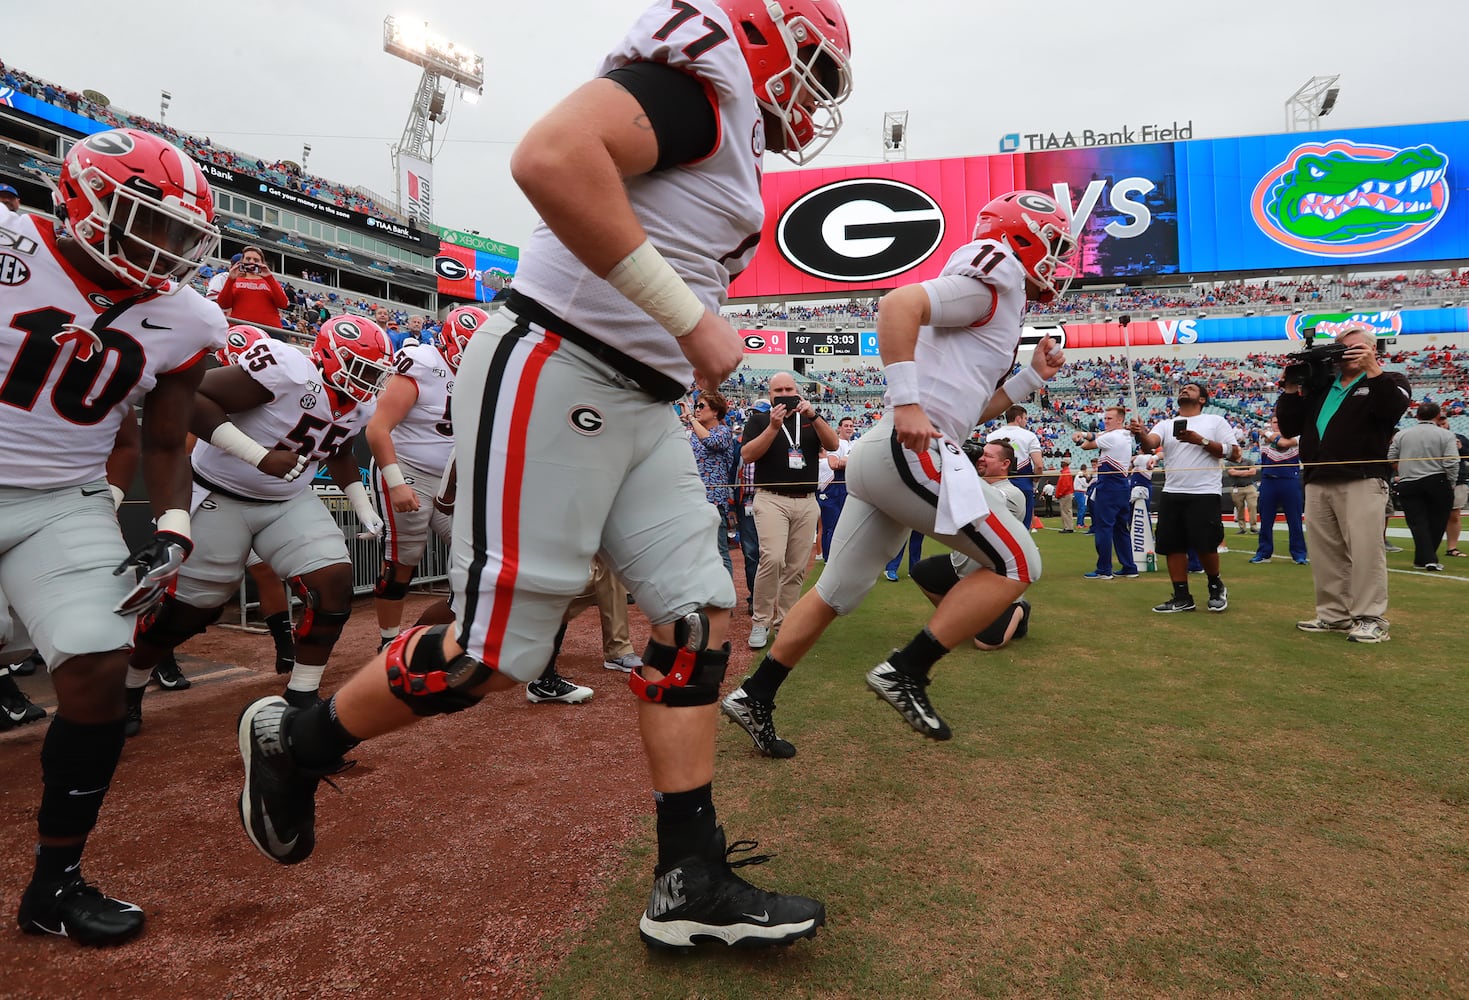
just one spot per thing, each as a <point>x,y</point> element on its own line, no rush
<point>1133,805</point>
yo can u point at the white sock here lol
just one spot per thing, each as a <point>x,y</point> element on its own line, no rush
<point>306,676</point>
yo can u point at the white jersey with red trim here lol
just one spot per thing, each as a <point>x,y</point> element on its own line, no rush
<point>704,217</point>
<point>64,387</point>
<point>305,417</point>
<point>963,358</point>
<point>425,437</point>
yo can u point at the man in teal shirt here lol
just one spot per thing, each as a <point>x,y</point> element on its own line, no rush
<point>1345,429</point>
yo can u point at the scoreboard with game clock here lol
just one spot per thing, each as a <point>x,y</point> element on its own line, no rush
<point>822,344</point>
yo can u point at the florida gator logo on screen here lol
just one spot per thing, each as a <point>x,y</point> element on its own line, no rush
<point>1349,199</point>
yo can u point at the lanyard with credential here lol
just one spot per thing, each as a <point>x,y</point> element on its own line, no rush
<point>787,433</point>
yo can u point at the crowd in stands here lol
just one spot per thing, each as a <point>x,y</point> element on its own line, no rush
<point>1278,295</point>
<point>1243,389</point>
<point>280,172</point>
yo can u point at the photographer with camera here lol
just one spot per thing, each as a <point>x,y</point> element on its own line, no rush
<point>785,447</point>
<point>1344,408</point>
<point>251,296</point>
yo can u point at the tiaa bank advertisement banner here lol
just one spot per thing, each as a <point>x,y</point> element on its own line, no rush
<point>1301,201</point>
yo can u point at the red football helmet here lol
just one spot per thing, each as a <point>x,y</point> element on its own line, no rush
<point>239,340</point>
<point>458,327</point>
<point>355,356</point>
<point>1039,232</point>
<point>138,206</point>
<point>799,56</point>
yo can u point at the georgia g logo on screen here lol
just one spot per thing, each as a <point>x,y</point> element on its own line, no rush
<point>860,230</point>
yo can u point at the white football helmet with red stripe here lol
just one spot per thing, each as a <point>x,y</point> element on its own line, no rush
<point>239,340</point>
<point>139,206</point>
<point>355,356</point>
<point>458,327</point>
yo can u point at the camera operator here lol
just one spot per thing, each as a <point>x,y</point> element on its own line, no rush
<point>785,447</point>
<point>251,295</point>
<point>1343,407</point>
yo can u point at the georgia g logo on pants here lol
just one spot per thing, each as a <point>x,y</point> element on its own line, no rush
<point>860,230</point>
<point>585,420</point>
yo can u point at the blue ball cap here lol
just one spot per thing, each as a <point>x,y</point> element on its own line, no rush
<point>7,189</point>
<point>762,405</point>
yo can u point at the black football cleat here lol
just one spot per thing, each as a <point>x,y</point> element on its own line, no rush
<point>78,910</point>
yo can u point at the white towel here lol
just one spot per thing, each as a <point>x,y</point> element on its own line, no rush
<point>961,497</point>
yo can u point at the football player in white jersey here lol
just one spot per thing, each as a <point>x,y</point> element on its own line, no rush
<point>949,345</point>
<point>95,317</point>
<point>270,589</point>
<point>647,180</point>
<point>411,435</point>
<point>264,425</point>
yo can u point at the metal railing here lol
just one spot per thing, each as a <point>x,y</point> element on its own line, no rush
<point>366,556</point>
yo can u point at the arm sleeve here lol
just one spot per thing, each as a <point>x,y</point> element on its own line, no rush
<point>679,109</point>
<point>956,300</point>
<point>226,297</point>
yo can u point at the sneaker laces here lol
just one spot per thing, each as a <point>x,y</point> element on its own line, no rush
<point>744,847</point>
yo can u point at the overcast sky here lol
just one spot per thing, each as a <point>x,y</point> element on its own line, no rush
<point>266,77</point>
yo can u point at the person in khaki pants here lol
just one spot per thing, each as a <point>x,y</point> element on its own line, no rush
<point>785,445</point>
<point>1345,421</point>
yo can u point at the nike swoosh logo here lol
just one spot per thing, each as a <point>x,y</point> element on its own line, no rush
<point>759,918</point>
<point>91,791</point>
<point>154,326</point>
<point>95,493</point>
<point>273,841</point>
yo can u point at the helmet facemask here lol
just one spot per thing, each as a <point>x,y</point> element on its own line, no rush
<point>819,75</point>
<point>357,376</point>
<point>141,236</point>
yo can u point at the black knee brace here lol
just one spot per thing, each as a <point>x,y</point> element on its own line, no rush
<point>427,683</point>
<point>994,633</point>
<point>77,762</point>
<point>691,673</point>
<point>173,623</point>
<point>935,574</point>
<point>388,587</point>
<point>317,627</point>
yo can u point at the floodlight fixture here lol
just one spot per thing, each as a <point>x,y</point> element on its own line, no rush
<point>410,39</point>
<point>895,135</point>
<point>163,99</point>
<point>1310,103</point>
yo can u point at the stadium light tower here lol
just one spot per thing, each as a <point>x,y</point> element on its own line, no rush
<point>895,135</point>
<point>1307,106</point>
<point>448,68</point>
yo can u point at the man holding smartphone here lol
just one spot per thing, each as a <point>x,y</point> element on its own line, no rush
<point>785,447</point>
<point>251,295</point>
<point>1189,509</point>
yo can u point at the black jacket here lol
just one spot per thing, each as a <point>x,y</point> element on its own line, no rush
<point>1358,435</point>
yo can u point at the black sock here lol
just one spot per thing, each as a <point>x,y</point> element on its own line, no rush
<point>53,863</point>
<point>550,670</point>
<point>685,823</point>
<point>1215,583</point>
<point>919,656</point>
<point>1180,590</point>
<point>763,684</point>
<point>280,629</point>
<point>317,739</point>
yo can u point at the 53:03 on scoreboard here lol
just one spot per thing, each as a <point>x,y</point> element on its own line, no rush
<point>821,344</point>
